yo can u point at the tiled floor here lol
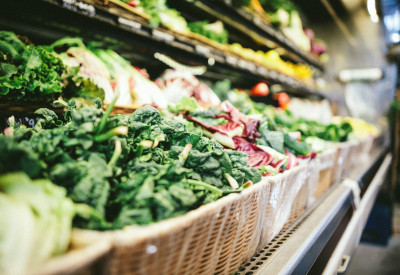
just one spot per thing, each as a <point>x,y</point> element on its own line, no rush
<point>379,260</point>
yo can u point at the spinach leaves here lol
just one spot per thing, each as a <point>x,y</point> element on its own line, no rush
<point>135,169</point>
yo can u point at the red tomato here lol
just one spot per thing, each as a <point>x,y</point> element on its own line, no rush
<point>133,3</point>
<point>283,99</point>
<point>260,89</point>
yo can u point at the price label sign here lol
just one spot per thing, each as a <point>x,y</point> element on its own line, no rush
<point>26,119</point>
<point>129,23</point>
<point>262,71</point>
<point>163,35</point>
<point>79,6</point>
<point>247,65</point>
<point>232,60</point>
<point>202,50</point>
<point>257,20</point>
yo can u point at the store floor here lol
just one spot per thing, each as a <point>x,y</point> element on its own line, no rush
<point>374,259</point>
<point>379,260</point>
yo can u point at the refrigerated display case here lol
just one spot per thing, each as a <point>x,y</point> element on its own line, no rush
<point>319,240</point>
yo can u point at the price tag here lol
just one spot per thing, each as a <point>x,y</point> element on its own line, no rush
<point>232,60</point>
<point>273,74</point>
<point>202,50</point>
<point>20,119</point>
<point>256,20</point>
<point>262,71</point>
<point>163,35</point>
<point>129,23</point>
<point>79,6</point>
<point>246,65</point>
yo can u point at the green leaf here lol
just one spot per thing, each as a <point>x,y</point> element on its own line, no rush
<point>182,194</point>
<point>184,104</point>
<point>300,148</point>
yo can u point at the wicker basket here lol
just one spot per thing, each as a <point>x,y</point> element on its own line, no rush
<point>218,237</point>
<point>343,152</point>
<point>215,238</point>
<point>327,163</point>
<point>284,188</point>
<point>366,146</point>
<point>299,203</point>
<point>307,182</point>
<point>353,157</point>
<point>88,254</point>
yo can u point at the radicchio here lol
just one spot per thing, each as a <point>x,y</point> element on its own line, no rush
<point>250,124</point>
<point>292,161</point>
<point>257,157</point>
<point>230,129</point>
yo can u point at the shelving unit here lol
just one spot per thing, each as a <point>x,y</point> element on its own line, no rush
<point>324,233</point>
<point>92,20</point>
<point>246,25</point>
<point>323,238</point>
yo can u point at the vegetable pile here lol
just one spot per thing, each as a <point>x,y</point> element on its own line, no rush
<point>28,72</point>
<point>161,14</point>
<point>294,133</point>
<point>133,169</point>
<point>332,132</point>
<point>214,31</point>
<point>38,73</point>
<point>269,148</point>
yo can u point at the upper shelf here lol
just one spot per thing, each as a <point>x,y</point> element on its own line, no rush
<point>248,25</point>
<point>52,19</point>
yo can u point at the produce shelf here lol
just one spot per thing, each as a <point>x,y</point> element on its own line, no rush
<point>246,25</point>
<point>48,20</point>
<point>324,237</point>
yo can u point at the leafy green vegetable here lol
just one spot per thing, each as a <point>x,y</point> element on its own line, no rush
<point>214,31</point>
<point>133,169</point>
<point>32,75</point>
<point>273,139</point>
<point>17,157</point>
<point>185,104</point>
<point>274,5</point>
<point>330,132</point>
<point>35,222</point>
<point>300,148</point>
<point>160,13</point>
<point>222,88</point>
<point>38,73</point>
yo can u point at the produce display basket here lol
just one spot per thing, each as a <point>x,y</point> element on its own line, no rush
<point>310,179</point>
<point>284,188</point>
<point>299,203</point>
<point>87,255</point>
<point>218,237</point>
<point>343,152</point>
<point>353,156</point>
<point>327,162</point>
<point>367,146</point>
<point>364,149</point>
